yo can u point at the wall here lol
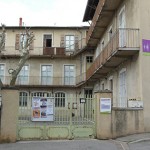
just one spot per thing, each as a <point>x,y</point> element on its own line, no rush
<point>119,122</point>
<point>145,60</point>
<point>9,115</point>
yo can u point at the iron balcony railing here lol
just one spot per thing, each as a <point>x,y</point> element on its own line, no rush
<point>45,80</point>
<point>123,39</point>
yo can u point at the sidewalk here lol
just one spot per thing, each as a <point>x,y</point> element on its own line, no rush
<point>135,138</point>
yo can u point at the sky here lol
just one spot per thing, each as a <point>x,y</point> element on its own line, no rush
<point>43,12</point>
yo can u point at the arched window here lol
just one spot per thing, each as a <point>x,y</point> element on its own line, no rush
<point>23,99</point>
<point>41,94</point>
<point>60,99</point>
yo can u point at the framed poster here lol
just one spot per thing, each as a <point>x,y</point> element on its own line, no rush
<point>105,105</point>
<point>42,109</point>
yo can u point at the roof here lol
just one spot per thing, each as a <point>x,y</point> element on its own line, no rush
<point>47,27</point>
<point>90,10</point>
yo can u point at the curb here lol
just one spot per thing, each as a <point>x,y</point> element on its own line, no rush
<point>140,140</point>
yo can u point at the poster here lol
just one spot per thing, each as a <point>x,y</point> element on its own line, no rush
<point>105,105</point>
<point>42,109</point>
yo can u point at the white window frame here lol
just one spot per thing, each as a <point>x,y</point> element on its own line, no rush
<point>41,74</point>
<point>20,82</point>
<point>74,82</point>
<point>71,46</point>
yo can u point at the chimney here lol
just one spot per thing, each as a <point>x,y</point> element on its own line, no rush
<point>20,22</point>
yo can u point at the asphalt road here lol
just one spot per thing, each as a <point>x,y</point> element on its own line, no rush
<point>92,144</point>
<point>61,145</point>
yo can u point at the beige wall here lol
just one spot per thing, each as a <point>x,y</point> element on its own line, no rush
<point>119,122</point>
<point>9,114</point>
<point>145,60</point>
<point>38,42</point>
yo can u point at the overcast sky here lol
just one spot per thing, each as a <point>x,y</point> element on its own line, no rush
<point>43,12</point>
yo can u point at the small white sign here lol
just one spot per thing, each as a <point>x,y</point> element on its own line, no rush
<point>105,105</point>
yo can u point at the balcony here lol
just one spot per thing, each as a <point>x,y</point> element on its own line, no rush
<point>41,52</point>
<point>123,45</point>
<point>38,81</point>
<point>101,18</point>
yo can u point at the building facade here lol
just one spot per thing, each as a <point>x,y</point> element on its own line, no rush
<point>112,55</point>
<point>117,34</point>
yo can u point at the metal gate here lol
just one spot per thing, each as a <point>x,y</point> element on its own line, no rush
<point>73,118</point>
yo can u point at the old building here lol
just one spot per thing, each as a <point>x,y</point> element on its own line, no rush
<point>109,59</point>
<point>119,35</point>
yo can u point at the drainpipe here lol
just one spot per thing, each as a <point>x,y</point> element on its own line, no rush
<point>81,53</point>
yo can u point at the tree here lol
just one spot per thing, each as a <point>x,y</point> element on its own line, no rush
<point>27,38</point>
<point>2,44</point>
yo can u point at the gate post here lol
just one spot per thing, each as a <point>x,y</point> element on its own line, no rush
<point>103,119</point>
<point>9,114</point>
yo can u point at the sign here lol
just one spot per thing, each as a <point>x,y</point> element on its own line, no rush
<point>42,109</point>
<point>146,45</point>
<point>105,105</point>
<point>82,100</point>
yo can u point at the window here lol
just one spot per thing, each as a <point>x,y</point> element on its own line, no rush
<point>46,74</point>
<point>89,59</point>
<point>23,99</point>
<point>102,45</point>
<point>47,40</point>
<point>21,40</point>
<point>111,84</point>
<point>122,89</point>
<point>2,72</point>
<point>41,94</point>
<point>23,77</point>
<point>122,25</point>
<point>60,99</point>
<point>69,75</point>
<point>70,42</point>
<point>110,33</point>
<point>103,87</point>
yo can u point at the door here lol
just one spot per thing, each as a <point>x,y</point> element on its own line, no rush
<point>122,24</point>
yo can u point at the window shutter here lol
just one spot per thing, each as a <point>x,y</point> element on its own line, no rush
<point>31,47</point>
<point>76,42</point>
<point>62,41</point>
<point>17,44</point>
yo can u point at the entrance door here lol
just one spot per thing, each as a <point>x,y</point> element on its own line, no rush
<point>122,24</point>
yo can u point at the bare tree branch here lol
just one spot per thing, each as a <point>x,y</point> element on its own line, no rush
<point>26,39</point>
<point>2,38</point>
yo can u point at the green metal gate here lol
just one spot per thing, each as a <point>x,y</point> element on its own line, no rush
<point>73,119</point>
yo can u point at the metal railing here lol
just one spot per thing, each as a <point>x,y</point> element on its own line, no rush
<point>40,51</point>
<point>122,39</point>
<point>46,80</point>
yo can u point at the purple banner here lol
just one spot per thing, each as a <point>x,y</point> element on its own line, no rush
<point>146,45</point>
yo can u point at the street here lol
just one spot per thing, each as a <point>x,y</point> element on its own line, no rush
<point>90,144</point>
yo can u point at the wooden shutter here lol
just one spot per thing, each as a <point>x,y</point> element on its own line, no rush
<point>76,42</point>
<point>31,47</point>
<point>62,41</point>
<point>17,44</point>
